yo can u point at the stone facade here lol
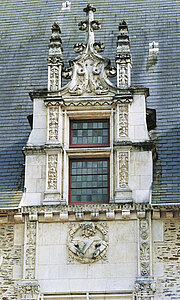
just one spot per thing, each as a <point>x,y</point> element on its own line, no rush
<point>122,249</point>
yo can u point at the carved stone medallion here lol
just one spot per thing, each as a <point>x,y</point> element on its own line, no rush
<point>87,242</point>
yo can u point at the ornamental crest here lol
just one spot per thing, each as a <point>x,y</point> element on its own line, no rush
<point>87,242</point>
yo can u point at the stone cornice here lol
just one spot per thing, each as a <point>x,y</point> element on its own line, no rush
<point>145,145</point>
<point>33,149</point>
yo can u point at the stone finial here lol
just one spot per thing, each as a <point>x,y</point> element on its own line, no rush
<point>90,25</point>
<point>123,57</point>
<point>54,60</point>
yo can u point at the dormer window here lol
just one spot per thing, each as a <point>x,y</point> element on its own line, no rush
<point>89,133</point>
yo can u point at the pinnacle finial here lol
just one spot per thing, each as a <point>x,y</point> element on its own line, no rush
<point>55,46</point>
<point>55,60</point>
<point>123,56</point>
<point>89,25</point>
<point>89,7</point>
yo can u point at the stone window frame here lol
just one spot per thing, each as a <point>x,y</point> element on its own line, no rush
<point>87,152</point>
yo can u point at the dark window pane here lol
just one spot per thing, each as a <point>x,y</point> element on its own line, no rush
<point>92,185</point>
<point>94,132</point>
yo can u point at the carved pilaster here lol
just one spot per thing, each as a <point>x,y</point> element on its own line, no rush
<point>122,121</point>
<point>53,184</point>
<point>53,124</point>
<point>123,57</point>
<point>30,250</point>
<point>144,285</point>
<point>52,171</point>
<point>144,247</point>
<point>55,59</point>
<point>123,192</point>
<point>123,169</point>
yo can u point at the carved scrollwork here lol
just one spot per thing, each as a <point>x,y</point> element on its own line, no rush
<point>87,242</point>
<point>123,169</point>
<point>79,47</point>
<point>111,71</point>
<point>67,73</point>
<point>95,25</point>
<point>83,25</point>
<point>52,171</point>
<point>99,47</point>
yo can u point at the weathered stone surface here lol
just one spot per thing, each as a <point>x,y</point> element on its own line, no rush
<point>11,259</point>
<point>167,252</point>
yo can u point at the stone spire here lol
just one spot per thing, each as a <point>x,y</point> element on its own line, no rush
<point>123,57</point>
<point>54,60</point>
<point>90,25</point>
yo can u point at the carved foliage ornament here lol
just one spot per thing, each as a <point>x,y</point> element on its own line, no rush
<point>87,242</point>
<point>30,250</point>
<point>123,169</point>
<point>53,122</point>
<point>123,121</point>
<point>54,78</point>
<point>123,75</point>
<point>52,171</point>
<point>144,247</point>
<point>28,290</point>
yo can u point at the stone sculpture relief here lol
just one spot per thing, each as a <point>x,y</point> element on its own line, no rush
<point>52,171</point>
<point>87,242</point>
<point>123,169</point>
<point>88,77</point>
<point>123,120</point>
<point>53,123</point>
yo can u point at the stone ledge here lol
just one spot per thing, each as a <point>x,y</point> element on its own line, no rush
<point>145,145</point>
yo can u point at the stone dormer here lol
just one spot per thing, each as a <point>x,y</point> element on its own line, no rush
<point>89,143</point>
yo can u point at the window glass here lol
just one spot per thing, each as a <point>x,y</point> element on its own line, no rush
<point>89,133</point>
<point>89,180</point>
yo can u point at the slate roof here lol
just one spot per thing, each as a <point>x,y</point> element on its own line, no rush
<point>24,37</point>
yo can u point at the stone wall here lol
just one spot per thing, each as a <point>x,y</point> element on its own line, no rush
<point>10,256</point>
<point>58,271</point>
<point>167,258</point>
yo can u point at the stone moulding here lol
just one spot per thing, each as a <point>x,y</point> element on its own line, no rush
<point>65,213</point>
<point>32,149</point>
